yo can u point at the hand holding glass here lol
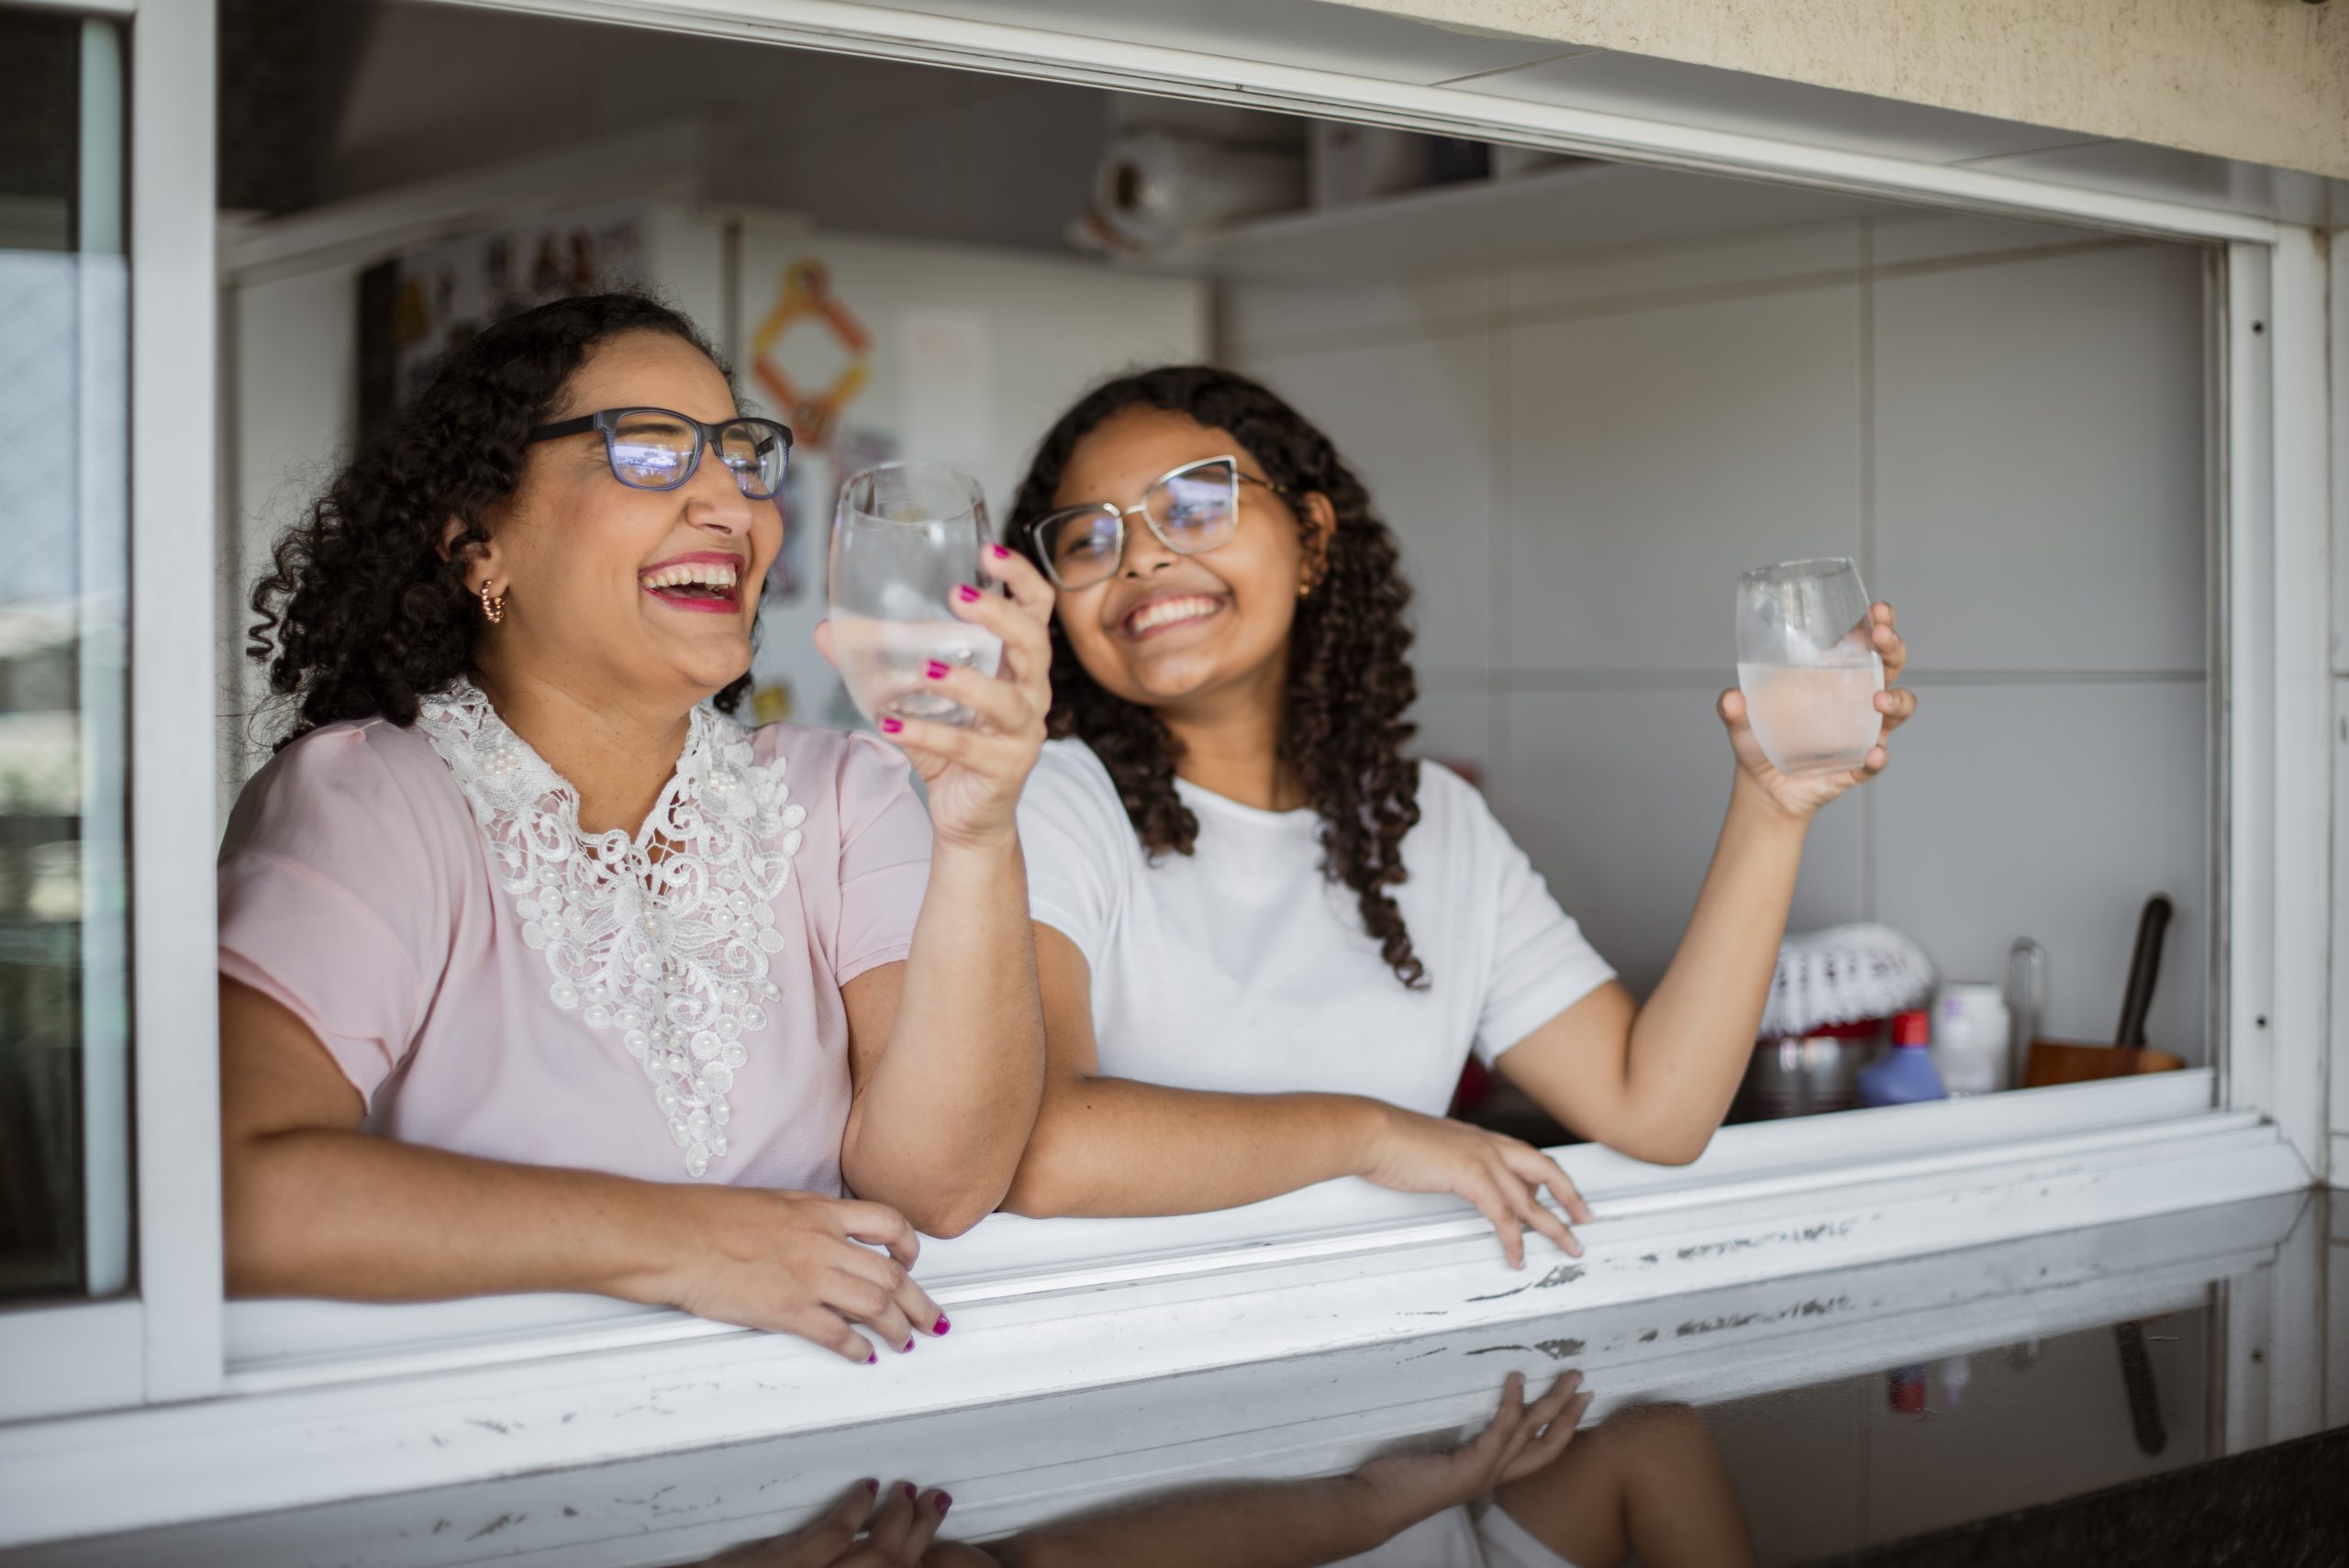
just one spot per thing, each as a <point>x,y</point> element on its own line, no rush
<point>906,536</point>
<point>1808,665</point>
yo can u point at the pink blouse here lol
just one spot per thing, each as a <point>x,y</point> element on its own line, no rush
<point>495,981</point>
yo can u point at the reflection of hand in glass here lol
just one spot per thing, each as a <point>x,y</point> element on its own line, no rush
<point>1519,1440</point>
<point>894,1530</point>
<point>1305,1524</point>
<point>1646,1481</point>
<point>1649,1482</point>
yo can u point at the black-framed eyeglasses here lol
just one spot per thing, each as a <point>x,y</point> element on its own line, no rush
<point>1191,509</point>
<point>658,448</point>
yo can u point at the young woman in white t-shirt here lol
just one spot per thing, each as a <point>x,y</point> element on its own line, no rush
<point>1268,938</point>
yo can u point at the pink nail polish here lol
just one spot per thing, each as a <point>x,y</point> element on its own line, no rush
<point>872,1488</point>
<point>890,726</point>
<point>936,669</point>
<point>906,1349</point>
<point>944,1503</point>
<point>872,1356</point>
<point>942,1325</point>
<point>967,594</point>
<point>1000,552</point>
<point>910,1493</point>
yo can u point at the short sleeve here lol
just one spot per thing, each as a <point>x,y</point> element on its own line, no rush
<point>1077,836</point>
<point>1542,962</point>
<point>330,902</point>
<point>884,858</point>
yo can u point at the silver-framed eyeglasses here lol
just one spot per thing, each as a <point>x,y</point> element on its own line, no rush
<point>658,448</point>
<point>1191,509</point>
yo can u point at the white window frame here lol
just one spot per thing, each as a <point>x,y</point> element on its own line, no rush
<point>160,1340</point>
<point>194,1412</point>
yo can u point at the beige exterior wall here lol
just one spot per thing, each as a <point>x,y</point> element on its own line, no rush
<point>2266,81</point>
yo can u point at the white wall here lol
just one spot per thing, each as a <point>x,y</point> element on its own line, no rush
<point>289,354</point>
<point>2004,424</point>
<point>1031,333</point>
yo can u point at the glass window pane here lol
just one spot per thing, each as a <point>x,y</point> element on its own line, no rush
<point>64,1090</point>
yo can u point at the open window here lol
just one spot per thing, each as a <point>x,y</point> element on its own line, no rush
<point>1585,392</point>
<point>1594,349</point>
<point>78,1293</point>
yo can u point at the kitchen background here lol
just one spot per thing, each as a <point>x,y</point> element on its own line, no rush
<point>1585,395</point>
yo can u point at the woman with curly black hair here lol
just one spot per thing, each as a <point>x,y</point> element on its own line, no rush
<point>1268,938</point>
<point>537,974</point>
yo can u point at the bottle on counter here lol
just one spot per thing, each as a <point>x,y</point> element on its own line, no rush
<point>1970,1038</point>
<point>1905,1074</point>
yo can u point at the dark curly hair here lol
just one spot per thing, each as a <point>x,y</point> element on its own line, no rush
<point>1350,681</point>
<point>363,612</point>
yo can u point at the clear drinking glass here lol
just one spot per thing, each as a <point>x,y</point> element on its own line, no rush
<point>1807,665</point>
<point>904,536</point>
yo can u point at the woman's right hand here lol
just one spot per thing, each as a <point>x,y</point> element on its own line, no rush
<point>1501,1176</point>
<point>974,772</point>
<point>797,1263</point>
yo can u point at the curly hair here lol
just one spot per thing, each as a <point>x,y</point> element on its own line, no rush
<point>365,610</point>
<point>1349,680</point>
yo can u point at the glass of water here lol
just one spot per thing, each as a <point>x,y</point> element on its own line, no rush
<point>1807,665</point>
<point>904,536</point>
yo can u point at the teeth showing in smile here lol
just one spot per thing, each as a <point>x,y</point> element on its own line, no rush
<point>1166,612</point>
<point>691,574</point>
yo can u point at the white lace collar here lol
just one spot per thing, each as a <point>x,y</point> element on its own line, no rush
<point>663,935</point>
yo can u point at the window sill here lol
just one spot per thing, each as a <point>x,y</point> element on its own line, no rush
<point>1053,1307</point>
<point>280,1345</point>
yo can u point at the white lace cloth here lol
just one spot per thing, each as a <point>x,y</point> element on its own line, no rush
<point>664,935</point>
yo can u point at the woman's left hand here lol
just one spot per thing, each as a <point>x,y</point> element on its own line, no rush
<point>1519,1439</point>
<point>975,771</point>
<point>1801,796</point>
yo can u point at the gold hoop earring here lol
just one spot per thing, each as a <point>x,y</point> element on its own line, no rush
<point>493,610</point>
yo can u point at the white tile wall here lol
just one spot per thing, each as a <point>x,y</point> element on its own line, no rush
<point>2054,811</point>
<point>1456,727</point>
<point>1814,251</point>
<point>292,354</point>
<point>1654,454</point>
<point>2003,421</point>
<point>1266,317</point>
<point>1414,418</point>
<point>2039,494</point>
<point>1617,794</point>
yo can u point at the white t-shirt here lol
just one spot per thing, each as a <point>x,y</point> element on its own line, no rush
<point>1241,967</point>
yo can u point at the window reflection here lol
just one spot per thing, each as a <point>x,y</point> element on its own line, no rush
<point>1529,1489</point>
<point>1799,1475</point>
<point>64,1214</point>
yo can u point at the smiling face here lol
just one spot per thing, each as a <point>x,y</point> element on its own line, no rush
<point>641,596</point>
<point>1168,629</point>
